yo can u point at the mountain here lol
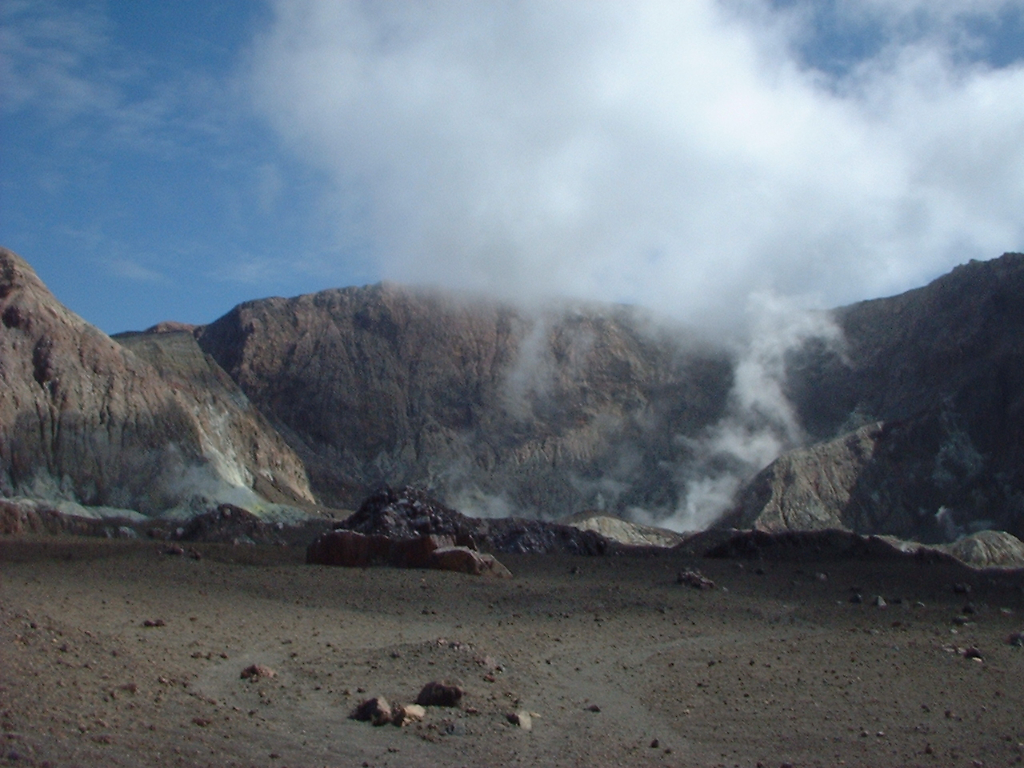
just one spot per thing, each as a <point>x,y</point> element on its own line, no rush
<point>917,420</point>
<point>85,419</point>
<point>911,414</point>
<point>495,409</point>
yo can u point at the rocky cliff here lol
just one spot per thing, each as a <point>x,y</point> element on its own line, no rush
<point>86,420</point>
<point>496,410</point>
<point>941,371</point>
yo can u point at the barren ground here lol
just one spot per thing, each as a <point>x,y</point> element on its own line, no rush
<point>611,654</point>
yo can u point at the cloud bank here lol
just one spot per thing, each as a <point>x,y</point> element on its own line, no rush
<point>678,155</point>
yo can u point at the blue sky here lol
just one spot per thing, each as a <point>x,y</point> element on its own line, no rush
<point>169,160</point>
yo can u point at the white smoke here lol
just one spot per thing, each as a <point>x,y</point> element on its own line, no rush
<point>760,423</point>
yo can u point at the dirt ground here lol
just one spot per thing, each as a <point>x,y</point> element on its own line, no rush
<point>617,663</point>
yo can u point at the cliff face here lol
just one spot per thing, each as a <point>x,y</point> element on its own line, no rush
<point>495,410</point>
<point>942,369</point>
<point>84,419</point>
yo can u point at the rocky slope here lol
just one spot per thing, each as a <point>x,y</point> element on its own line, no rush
<point>496,410</point>
<point>941,371</point>
<point>85,420</point>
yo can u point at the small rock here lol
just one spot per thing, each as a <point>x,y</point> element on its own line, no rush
<point>1016,639</point>
<point>172,549</point>
<point>972,653</point>
<point>255,671</point>
<point>403,714</point>
<point>879,602</point>
<point>962,588</point>
<point>593,708</point>
<point>655,744</point>
<point>154,623</point>
<point>694,579</point>
<point>202,722</point>
<point>969,610</point>
<point>376,711</point>
<point>522,719</point>
<point>439,694</point>
<point>857,598</point>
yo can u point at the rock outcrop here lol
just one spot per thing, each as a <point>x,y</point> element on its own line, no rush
<point>987,549</point>
<point>920,416</point>
<point>497,410</point>
<point>623,531</point>
<point>84,419</point>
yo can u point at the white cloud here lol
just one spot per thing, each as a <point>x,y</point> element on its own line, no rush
<point>674,154</point>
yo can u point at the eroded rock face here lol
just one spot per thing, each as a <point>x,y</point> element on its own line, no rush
<point>497,411</point>
<point>84,419</point>
<point>920,414</point>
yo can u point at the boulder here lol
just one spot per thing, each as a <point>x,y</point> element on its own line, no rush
<point>356,550</point>
<point>376,711</point>
<point>465,560</point>
<point>403,714</point>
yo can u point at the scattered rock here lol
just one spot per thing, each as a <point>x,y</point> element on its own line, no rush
<point>522,719</point>
<point>376,711</point>
<point>403,714</point>
<point>256,671</point>
<point>695,579</point>
<point>440,694</point>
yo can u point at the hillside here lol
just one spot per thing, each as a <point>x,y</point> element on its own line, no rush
<point>85,419</point>
<point>497,410</point>
<point>940,370</point>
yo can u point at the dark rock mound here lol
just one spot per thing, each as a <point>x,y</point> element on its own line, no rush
<point>228,524</point>
<point>231,525</point>
<point>411,513</point>
<point>803,546</point>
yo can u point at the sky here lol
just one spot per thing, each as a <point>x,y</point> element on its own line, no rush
<point>166,161</point>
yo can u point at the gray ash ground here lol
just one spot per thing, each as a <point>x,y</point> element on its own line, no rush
<point>609,655</point>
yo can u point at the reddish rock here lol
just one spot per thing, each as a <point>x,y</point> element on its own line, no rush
<point>256,671</point>
<point>356,550</point>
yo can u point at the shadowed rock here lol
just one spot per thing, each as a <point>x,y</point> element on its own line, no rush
<point>440,694</point>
